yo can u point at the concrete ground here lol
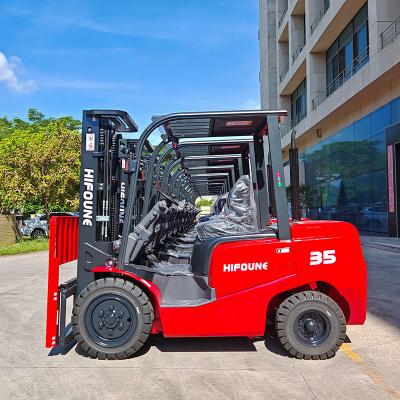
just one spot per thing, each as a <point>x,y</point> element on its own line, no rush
<point>366,368</point>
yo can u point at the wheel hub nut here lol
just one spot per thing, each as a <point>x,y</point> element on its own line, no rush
<point>310,325</point>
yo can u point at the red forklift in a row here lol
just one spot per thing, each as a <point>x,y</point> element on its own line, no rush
<point>147,265</point>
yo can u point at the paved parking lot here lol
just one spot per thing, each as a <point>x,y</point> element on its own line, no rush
<point>366,368</point>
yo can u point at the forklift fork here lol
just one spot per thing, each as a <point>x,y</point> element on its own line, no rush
<point>63,248</point>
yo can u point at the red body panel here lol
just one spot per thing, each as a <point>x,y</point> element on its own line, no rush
<point>242,295</point>
<point>242,265</point>
<point>246,275</point>
<point>348,274</point>
<point>239,314</point>
<point>63,248</point>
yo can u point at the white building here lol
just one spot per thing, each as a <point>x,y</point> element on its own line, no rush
<point>334,65</point>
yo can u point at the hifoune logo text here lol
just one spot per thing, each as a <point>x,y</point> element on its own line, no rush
<point>255,266</point>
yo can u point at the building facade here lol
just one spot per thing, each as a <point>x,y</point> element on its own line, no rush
<point>335,66</point>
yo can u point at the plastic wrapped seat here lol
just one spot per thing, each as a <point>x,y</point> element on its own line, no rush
<point>239,214</point>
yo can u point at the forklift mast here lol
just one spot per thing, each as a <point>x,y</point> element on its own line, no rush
<point>105,162</point>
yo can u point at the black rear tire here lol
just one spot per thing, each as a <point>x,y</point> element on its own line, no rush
<point>310,325</point>
<point>112,319</point>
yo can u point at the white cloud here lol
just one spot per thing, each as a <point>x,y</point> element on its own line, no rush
<point>10,70</point>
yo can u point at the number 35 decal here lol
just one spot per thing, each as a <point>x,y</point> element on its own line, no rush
<point>322,257</point>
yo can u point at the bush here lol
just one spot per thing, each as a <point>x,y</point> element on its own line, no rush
<point>39,163</point>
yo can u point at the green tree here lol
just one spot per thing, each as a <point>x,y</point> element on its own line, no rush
<point>6,127</point>
<point>35,116</point>
<point>39,165</point>
<point>204,203</point>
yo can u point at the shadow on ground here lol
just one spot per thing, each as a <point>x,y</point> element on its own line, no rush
<point>188,345</point>
<point>202,344</point>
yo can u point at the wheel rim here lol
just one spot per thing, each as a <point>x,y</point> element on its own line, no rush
<point>312,328</point>
<point>111,320</point>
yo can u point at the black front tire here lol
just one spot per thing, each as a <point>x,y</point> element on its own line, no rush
<point>310,325</point>
<point>112,319</point>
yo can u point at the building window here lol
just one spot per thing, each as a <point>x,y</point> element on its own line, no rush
<point>346,173</point>
<point>299,104</point>
<point>349,52</point>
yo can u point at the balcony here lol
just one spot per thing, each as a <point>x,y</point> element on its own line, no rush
<point>297,52</point>
<point>296,120</point>
<point>284,129</point>
<point>283,73</point>
<point>282,16</point>
<point>343,77</point>
<point>390,33</point>
<point>319,16</point>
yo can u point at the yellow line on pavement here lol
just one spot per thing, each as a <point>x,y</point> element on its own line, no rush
<point>350,353</point>
<point>370,371</point>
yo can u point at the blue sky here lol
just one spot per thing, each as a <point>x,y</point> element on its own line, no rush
<point>146,57</point>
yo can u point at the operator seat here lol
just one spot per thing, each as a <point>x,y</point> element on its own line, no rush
<point>219,204</point>
<point>237,217</point>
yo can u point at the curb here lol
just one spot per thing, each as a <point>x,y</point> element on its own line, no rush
<point>23,254</point>
<point>383,246</point>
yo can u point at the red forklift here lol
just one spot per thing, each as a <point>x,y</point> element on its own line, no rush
<point>146,264</point>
